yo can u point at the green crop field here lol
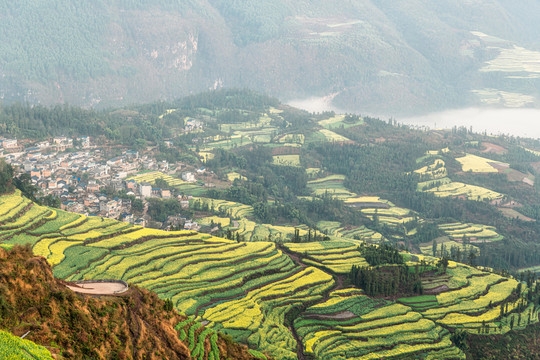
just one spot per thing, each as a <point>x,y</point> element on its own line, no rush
<point>471,192</point>
<point>332,136</point>
<point>436,170</point>
<point>185,187</point>
<point>14,348</point>
<point>287,160</point>
<point>477,164</point>
<point>330,185</point>
<point>354,326</point>
<point>338,121</point>
<point>475,233</point>
<point>334,256</point>
<point>335,229</point>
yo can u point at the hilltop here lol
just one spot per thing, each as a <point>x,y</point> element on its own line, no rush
<point>373,56</point>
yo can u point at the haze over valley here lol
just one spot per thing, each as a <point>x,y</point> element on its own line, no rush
<point>369,56</point>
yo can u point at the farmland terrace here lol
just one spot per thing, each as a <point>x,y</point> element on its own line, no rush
<point>250,289</point>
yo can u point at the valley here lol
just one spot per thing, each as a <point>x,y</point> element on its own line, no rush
<point>319,236</point>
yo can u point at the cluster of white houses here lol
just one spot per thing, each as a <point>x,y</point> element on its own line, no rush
<point>78,177</point>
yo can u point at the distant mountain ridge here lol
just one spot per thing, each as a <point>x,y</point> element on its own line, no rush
<point>372,56</point>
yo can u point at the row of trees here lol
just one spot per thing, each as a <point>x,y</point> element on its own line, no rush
<point>386,280</point>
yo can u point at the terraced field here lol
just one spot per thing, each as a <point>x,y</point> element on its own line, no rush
<point>434,171</point>
<point>335,256</point>
<point>476,233</point>
<point>434,178</point>
<point>392,216</point>
<point>228,143</point>
<point>246,289</point>
<point>427,249</point>
<point>330,185</point>
<point>252,231</point>
<point>226,208</point>
<point>335,229</point>
<point>432,175</point>
<point>473,299</point>
<point>201,341</point>
<point>151,177</point>
<point>201,274</point>
<point>259,317</point>
<point>181,185</point>
<point>350,325</point>
<point>471,192</point>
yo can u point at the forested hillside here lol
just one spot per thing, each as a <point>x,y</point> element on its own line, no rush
<point>374,56</point>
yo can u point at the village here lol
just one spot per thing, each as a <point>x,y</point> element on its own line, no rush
<point>88,180</point>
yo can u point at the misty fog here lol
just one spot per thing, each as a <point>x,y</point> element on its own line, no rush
<point>494,121</point>
<point>517,122</point>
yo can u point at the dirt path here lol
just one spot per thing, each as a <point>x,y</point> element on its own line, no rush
<point>339,284</point>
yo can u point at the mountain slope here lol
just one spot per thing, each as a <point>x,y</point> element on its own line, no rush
<point>375,56</point>
<point>136,325</point>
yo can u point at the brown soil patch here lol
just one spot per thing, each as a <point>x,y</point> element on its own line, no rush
<point>285,150</point>
<point>499,166</point>
<point>342,315</point>
<point>437,290</point>
<point>528,181</point>
<point>369,205</point>
<point>493,148</point>
<point>511,213</point>
<point>514,175</point>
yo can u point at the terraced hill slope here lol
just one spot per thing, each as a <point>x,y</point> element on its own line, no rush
<point>277,301</point>
<point>135,325</point>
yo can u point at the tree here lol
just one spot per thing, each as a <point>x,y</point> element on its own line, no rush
<point>472,256</point>
<point>6,177</point>
<point>168,306</point>
<point>137,206</point>
<point>50,201</point>
<point>24,183</point>
<point>443,264</point>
